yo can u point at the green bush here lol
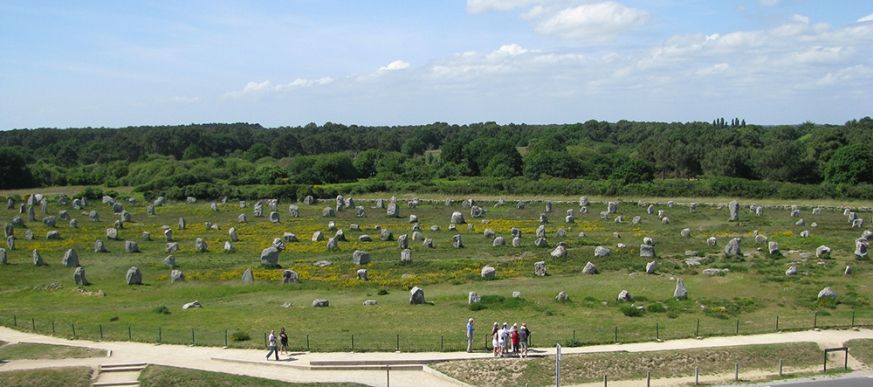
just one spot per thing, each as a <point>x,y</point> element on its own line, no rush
<point>631,310</point>
<point>161,310</point>
<point>239,335</point>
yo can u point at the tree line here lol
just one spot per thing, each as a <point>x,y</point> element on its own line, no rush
<point>160,158</point>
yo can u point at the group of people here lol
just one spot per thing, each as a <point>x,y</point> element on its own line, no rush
<point>505,339</point>
<point>272,345</point>
<point>510,339</point>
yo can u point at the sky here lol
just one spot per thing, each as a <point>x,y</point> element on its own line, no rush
<point>379,62</point>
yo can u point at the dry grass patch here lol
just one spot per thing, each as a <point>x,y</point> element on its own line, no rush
<point>621,365</point>
<point>47,377</point>
<point>46,351</point>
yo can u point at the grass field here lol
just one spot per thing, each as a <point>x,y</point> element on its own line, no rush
<point>862,349</point>
<point>155,375</point>
<point>746,300</point>
<point>46,351</point>
<point>47,377</point>
<point>622,365</point>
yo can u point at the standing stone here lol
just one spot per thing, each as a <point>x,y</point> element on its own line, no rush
<point>651,267</point>
<point>181,223</point>
<point>328,212</point>
<point>28,235</point>
<point>360,212</point>
<point>177,275</point>
<point>732,249</point>
<point>170,261</point>
<point>559,252</point>
<point>133,276</point>
<point>290,277</point>
<point>685,233</point>
<point>146,236</point>
<point>734,208</point>
<point>827,292</point>
<point>64,215</point>
<point>791,271</point>
<point>70,259</point>
<point>488,273</point>
<point>4,259</point>
<point>520,205</point>
<point>293,211</point>
<point>416,296</point>
<point>362,274</point>
<point>611,207</point>
<point>681,292</point>
<point>99,247</point>
<point>393,210</point>
<point>200,245</point>
<point>406,256</point>
<point>53,235</point>
<point>647,251</point>
<point>403,241</point>
<point>428,243</point>
<point>94,216</point>
<point>860,248</point>
<point>759,211</point>
<point>9,230</point>
<point>589,268</point>
<point>150,210</point>
<point>540,268</point>
<point>126,216</point>
<point>360,257</point>
<point>37,258</point>
<point>168,235</point>
<point>131,247</point>
<point>74,223</point>
<point>773,248</point>
<point>548,208</point>
<point>10,242</point>
<point>320,303</point>
<point>562,297</point>
<point>624,296</point>
<point>473,298</point>
<point>583,201</point>
<point>711,241</point>
<point>498,242</point>
<point>541,243</point>
<point>457,242</point>
<point>477,212</point>
<point>79,276</point>
<point>31,214</point>
<point>248,277</point>
<point>848,270</point>
<point>172,247</point>
<point>49,221</point>
<point>386,235</point>
<point>112,233</point>
<point>228,247</point>
<point>544,219</point>
<point>274,217</point>
<point>233,235</point>
<point>10,203</point>
<point>457,218</point>
<point>516,241</point>
<point>309,200</point>
<point>270,256</point>
<point>332,244</point>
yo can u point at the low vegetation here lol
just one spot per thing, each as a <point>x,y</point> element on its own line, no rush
<point>582,368</point>
<point>156,375</point>
<point>46,351</point>
<point>47,377</point>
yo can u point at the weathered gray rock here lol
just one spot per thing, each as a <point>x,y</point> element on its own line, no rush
<point>647,251</point>
<point>773,248</point>
<point>406,256</point>
<point>9,230</point>
<point>791,271</point>
<point>457,218</point>
<point>403,241</point>
<point>457,242</point>
<point>248,277</point>
<point>170,261</point>
<point>200,245</point>
<point>94,216</point>
<point>79,276</point>
<point>172,247</point>
<point>559,252</point>
<point>393,210</point>
<point>131,247</point>
<point>417,236</point>
<point>133,276</point>
<point>711,241</point>
<point>665,220</point>
<point>290,277</point>
<point>498,242</point>
<point>332,244</point>
<point>176,276</point>
<point>685,233</point>
<point>270,256</point>
<point>182,223</point>
<point>488,234</point>
<point>712,272</point>
<point>611,207</point>
<point>112,233</point>
<point>294,211</point>
<point>734,208</point>
<point>428,243</point>
<point>562,296</point>
<point>10,242</point>
<point>328,212</point>
<point>360,257</point>
<point>477,212</point>
<point>70,259</point>
<point>520,204</point>
<point>827,292</point>
<point>322,263</point>
<point>651,267</point>
<point>589,268</point>
<point>601,251</point>
<point>4,258</point>
<point>516,241</point>
<point>362,275</point>
<point>624,296</point>
<point>544,219</point>
<point>540,268</point>
<point>37,258</point>
<point>489,273</point>
<point>416,296</point>
<point>473,298</point>
<point>28,235</point>
<point>861,248</point>
<point>681,292</point>
<point>541,243</point>
<point>53,235</point>
<point>228,247</point>
<point>192,305</point>
<point>732,248</point>
<point>847,270</point>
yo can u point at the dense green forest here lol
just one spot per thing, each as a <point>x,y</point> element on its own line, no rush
<point>595,157</point>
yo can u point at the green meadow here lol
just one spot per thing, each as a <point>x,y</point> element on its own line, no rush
<point>754,295</point>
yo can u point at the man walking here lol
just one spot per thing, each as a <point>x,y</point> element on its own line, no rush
<point>470,335</point>
<point>272,345</point>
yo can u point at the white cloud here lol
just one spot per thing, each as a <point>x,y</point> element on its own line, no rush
<point>714,69</point>
<point>847,75</point>
<point>255,88</point>
<point>868,18</point>
<point>480,6</point>
<point>597,21</point>
<point>769,3</point>
<point>395,66</point>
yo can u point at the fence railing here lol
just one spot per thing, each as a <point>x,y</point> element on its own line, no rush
<point>411,341</point>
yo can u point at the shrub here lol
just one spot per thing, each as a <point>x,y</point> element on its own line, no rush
<point>161,310</point>
<point>656,308</point>
<point>631,310</point>
<point>239,335</point>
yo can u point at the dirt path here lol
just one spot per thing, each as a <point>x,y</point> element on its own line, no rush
<point>297,367</point>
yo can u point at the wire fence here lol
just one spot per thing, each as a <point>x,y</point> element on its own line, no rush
<point>590,333</point>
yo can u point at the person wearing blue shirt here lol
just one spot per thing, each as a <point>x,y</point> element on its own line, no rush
<point>470,335</point>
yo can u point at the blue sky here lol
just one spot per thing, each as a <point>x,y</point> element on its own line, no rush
<point>120,63</point>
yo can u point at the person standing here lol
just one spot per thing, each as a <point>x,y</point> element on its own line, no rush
<point>283,339</point>
<point>272,345</point>
<point>470,335</point>
<point>494,330</point>
<point>513,337</point>
<point>523,337</point>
